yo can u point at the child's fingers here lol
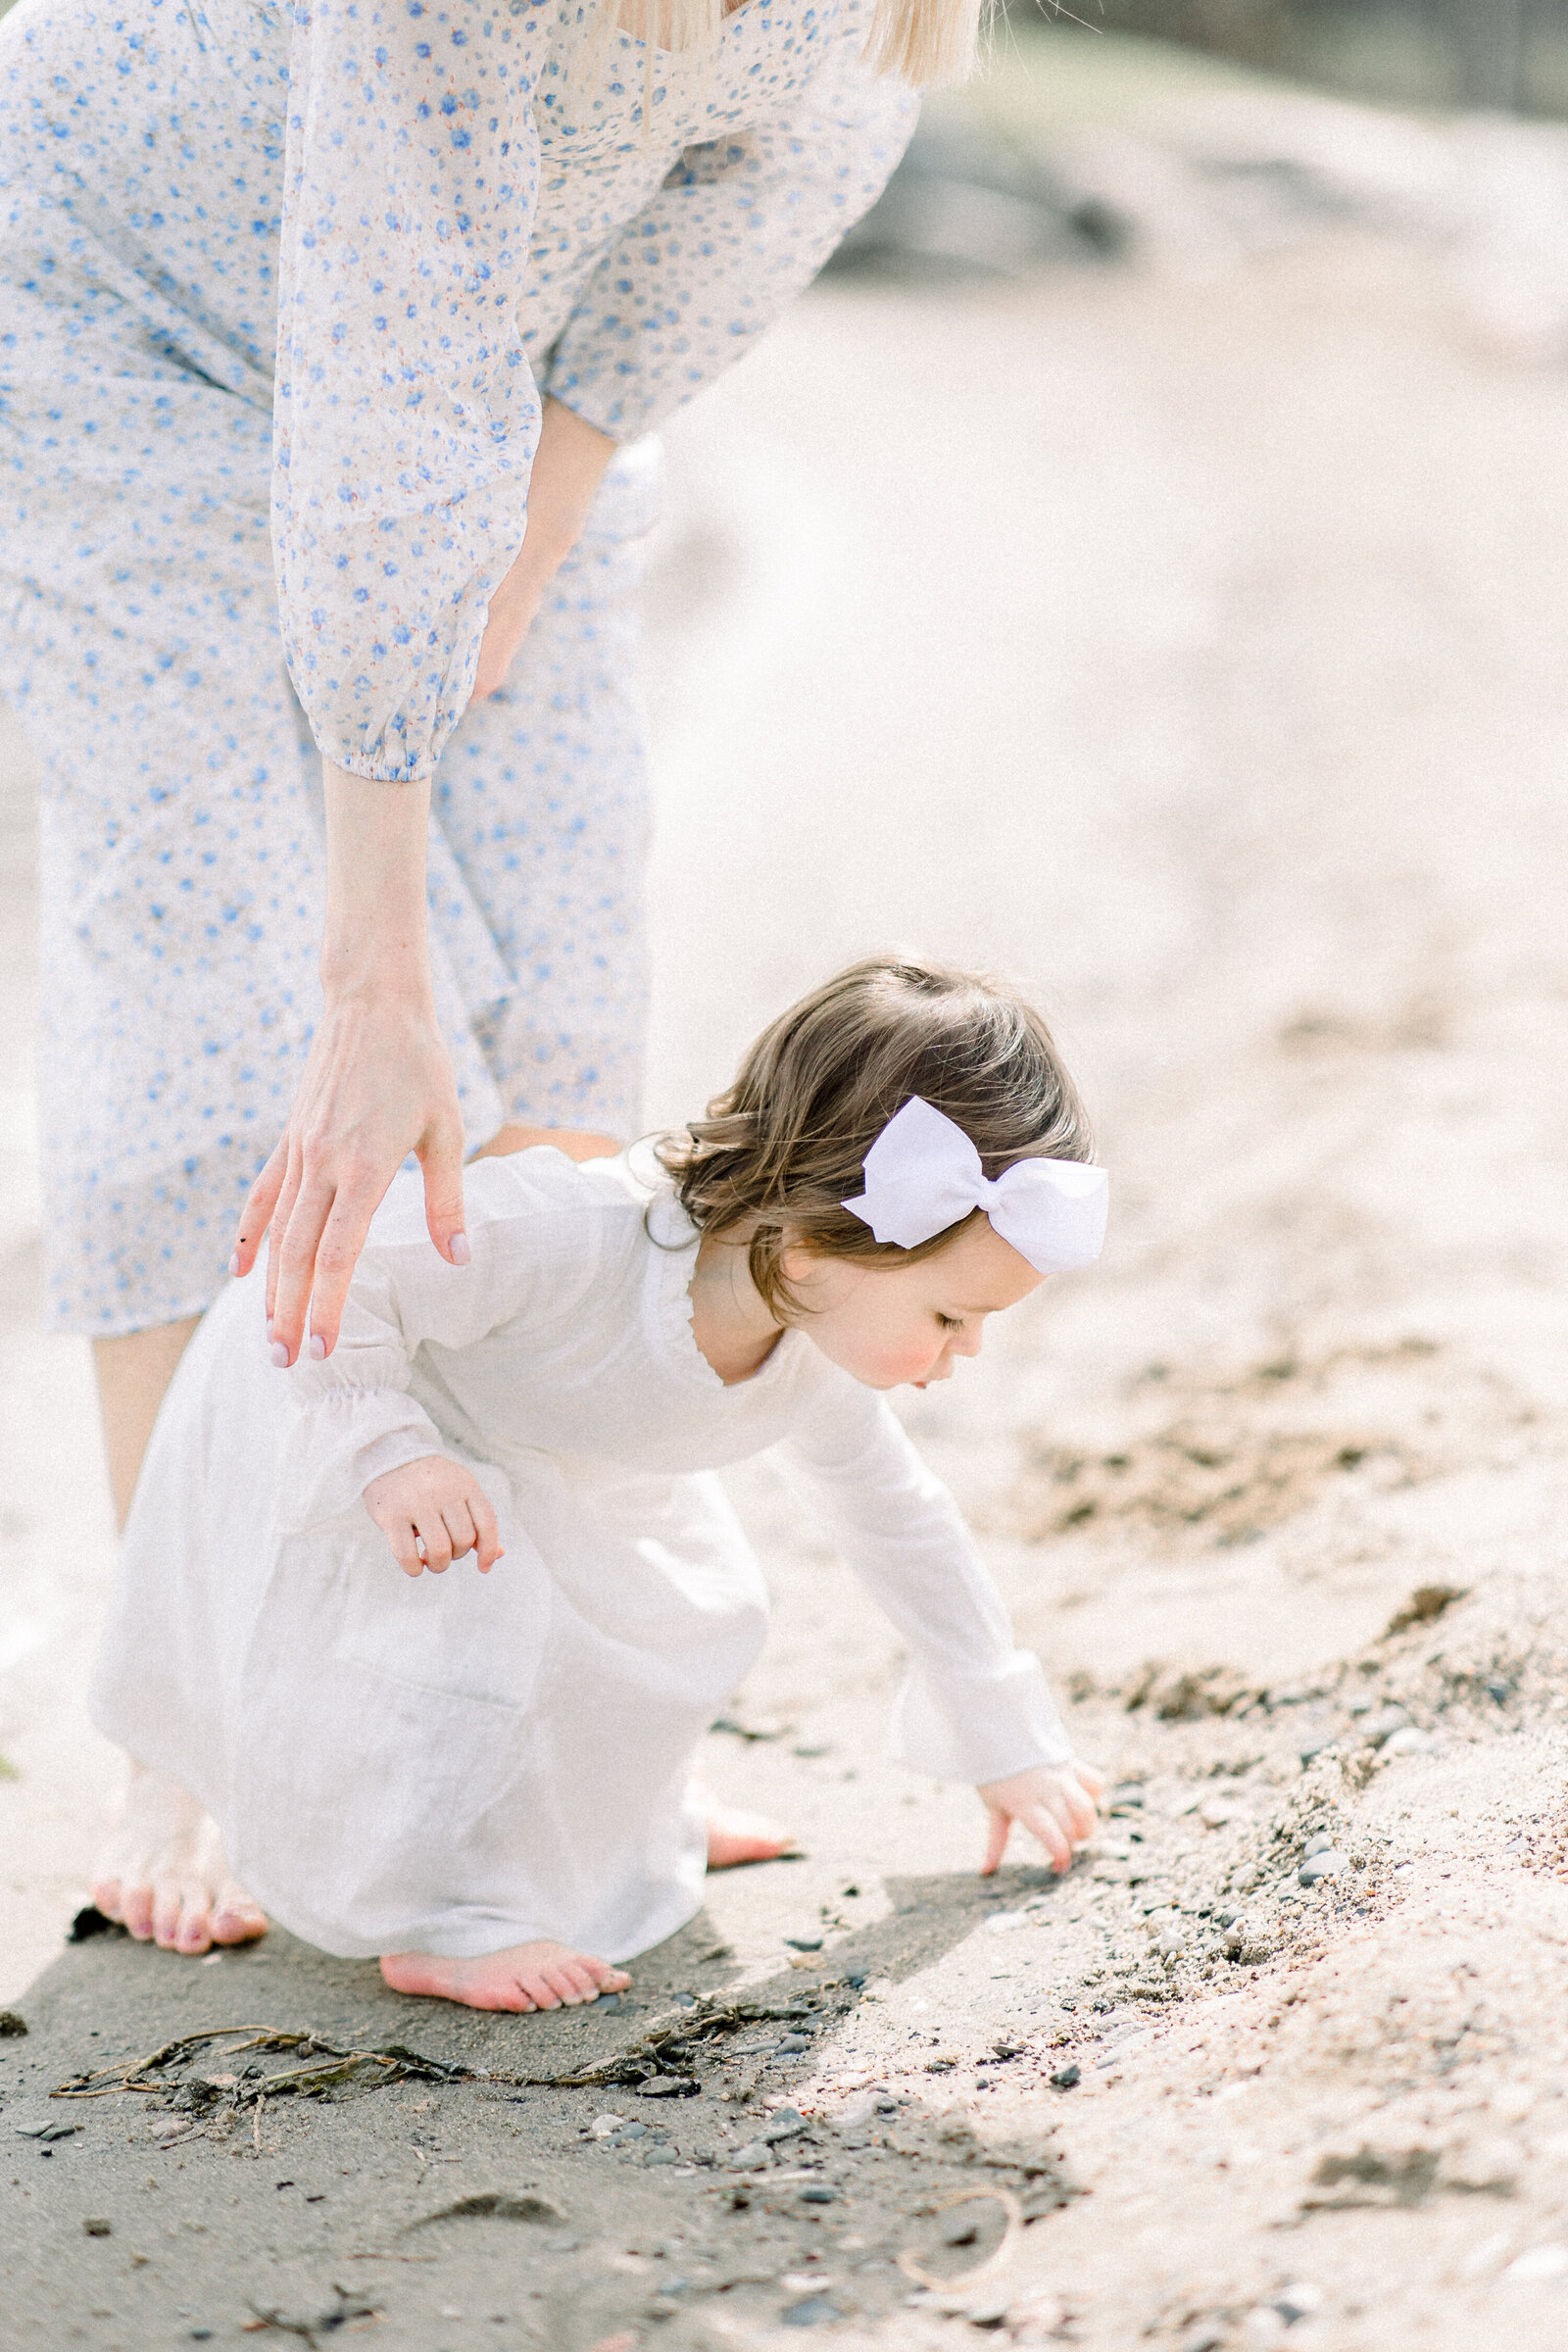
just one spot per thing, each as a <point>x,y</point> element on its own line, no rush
<point>488,1533</point>
<point>431,1530</point>
<point>404,1544</point>
<point>457,1520</point>
<point>1050,1832</point>
<point>1079,1805</point>
<point>998,1830</point>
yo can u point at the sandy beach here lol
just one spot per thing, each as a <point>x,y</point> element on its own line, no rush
<point>1191,643</point>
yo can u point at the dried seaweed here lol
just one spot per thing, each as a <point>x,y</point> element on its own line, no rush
<point>324,2070</point>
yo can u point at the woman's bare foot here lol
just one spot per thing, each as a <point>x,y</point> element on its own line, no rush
<point>734,1837</point>
<point>527,1975</point>
<point>163,1875</point>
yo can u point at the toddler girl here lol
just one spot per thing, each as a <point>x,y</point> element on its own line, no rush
<point>485,1779</point>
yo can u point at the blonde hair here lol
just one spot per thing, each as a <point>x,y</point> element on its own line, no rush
<point>780,1151</point>
<point>924,42</point>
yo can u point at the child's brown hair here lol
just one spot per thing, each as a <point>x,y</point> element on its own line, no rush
<point>786,1143</point>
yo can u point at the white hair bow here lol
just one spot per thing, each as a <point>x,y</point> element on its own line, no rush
<point>923,1173</point>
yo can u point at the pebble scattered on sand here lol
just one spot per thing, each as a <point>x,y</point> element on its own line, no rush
<point>1327,1863</point>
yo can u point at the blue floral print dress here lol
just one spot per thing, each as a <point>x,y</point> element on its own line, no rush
<point>280,293</point>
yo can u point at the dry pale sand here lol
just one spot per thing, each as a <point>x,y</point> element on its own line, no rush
<point>1195,649</point>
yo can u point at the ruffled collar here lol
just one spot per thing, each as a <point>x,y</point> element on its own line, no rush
<point>672,1251</point>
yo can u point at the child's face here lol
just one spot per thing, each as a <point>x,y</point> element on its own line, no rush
<point>892,1325</point>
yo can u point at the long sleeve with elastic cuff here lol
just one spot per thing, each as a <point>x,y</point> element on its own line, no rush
<point>972,1706</point>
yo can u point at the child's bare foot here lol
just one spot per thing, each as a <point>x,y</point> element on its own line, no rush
<point>161,1873</point>
<point>734,1837</point>
<point>527,1975</point>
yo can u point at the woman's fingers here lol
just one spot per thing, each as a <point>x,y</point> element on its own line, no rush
<point>334,1253</point>
<point>998,1830</point>
<point>440,1156</point>
<point>295,1246</point>
<point>282,1210</point>
<point>257,1214</point>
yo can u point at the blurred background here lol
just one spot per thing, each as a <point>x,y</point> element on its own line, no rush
<point>1138,565</point>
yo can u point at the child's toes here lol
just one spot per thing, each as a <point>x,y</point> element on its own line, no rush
<point>575,1981</point>
<point>137,1913</point>
<point>235,1918</point>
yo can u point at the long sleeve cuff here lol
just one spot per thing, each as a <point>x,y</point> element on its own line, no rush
<point>339,1442</point>
<point>977,1727</point>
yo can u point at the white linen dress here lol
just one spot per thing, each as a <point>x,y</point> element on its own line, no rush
<point>461,1762</point>
<point>285,284</point>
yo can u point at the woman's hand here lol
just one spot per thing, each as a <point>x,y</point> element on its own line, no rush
<point>568,466</point>
<point>378,1083</point>
<point>432,1512</point>
<point>1057,1803</point>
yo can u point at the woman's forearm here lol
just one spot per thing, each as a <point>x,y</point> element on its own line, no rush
<point>567,469</point>
<point>377,1083</point>
<point>375,937</point>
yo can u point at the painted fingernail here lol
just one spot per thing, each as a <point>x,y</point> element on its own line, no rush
<point>318,1348</point>
<point>269,1327</point>
<point>279,1355</point>
<point>233,1263</point>
<point>458,1249</point>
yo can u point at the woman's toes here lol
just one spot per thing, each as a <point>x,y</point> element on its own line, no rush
<point>106,1897</point>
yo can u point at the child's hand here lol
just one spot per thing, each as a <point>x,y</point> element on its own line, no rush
<point>432,1512</point>
<point>1057,1803</point>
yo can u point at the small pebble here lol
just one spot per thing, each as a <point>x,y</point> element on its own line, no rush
<point>1318,1844</point>
<point>804,1943</point>
<point>749,2159</point>
<point>666,2086</point>
<point>819,2194</point>
<point>632,2131</point>
<point>1327,1864</point>
<point>1315,1745</point>
<point>812,2312</point>
<point>672,2287</point>
<point>1067,2077</point>
<point>789,2045</point>
<point>1409,1742</point>
<point>97,2228</point>
<point>1383,1724</point>
<point>784,2123</point>
<point>604,2125</point>
<point>11,2024</point>
<point>661,2156</point>
<point>1296,2301</point>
